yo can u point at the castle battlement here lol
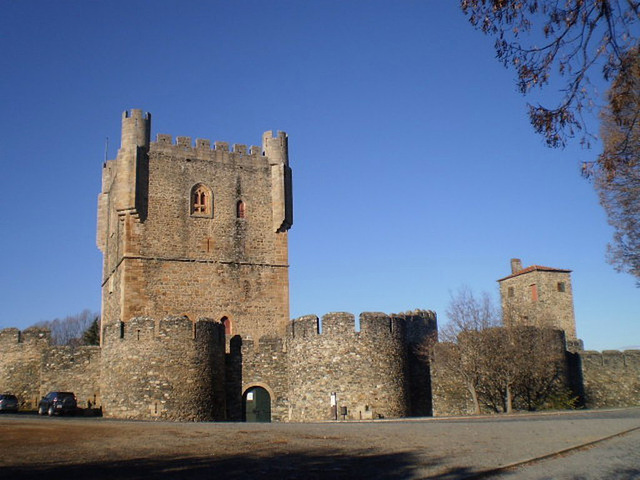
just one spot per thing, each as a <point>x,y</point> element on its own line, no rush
<point>14,336</point>
<point>169,329</point>
<point>181,143</point>
<point>208,151</point>
<point>411,326</point>
<point>612,358</point>
<point>419,324</point>
<point>265,344</point>
<point>336,324</point>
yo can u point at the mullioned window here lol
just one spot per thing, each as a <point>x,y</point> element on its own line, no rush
<point>201,201</point>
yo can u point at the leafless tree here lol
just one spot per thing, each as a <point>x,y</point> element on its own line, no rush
<point>69,330</point>
<point>466,313</point>
<point>462,350</point>
<point>500,367</point>
<point>539,359</point>
<point>568,38</point>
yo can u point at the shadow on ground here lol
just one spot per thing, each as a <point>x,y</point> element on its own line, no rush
<point>281,466</point>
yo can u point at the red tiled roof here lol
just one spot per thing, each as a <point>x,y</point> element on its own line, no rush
<point>534,268</point>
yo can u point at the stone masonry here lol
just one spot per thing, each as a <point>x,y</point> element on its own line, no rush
<point>538,296</point>
<point>195,307</point>
<point>165,254</point>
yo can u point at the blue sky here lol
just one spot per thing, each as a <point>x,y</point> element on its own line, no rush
<point>415,168</point>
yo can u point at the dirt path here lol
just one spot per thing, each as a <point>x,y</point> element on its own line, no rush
<point>31,446</point>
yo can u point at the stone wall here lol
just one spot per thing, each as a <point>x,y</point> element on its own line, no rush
<point>30,368</point>
<point>546,348</point>
<point>73,369</point>
<point>170,369</point>
<point>420,325</point>
<point>611,378</point>
<point>265,365</point>
<point>21,356</point>
<point>365,369</point>
<point>162,258</point>
<point>540,297</point>
<point>450,395</point>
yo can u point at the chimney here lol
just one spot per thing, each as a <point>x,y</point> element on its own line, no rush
<point>516,265</point>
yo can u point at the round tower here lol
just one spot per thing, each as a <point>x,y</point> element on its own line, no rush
<point>276,148</point>
<point>171,369</point>
<point>136,129</point>
<point>341,373</point>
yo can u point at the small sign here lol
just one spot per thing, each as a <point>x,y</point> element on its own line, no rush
<point>249,396</point>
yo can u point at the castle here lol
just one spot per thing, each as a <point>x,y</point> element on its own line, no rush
<point>195,305</point>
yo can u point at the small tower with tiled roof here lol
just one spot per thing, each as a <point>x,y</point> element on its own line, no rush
<point>538,296</point>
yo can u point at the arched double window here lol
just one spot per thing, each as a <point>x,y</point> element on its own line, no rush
<point>201,201</point>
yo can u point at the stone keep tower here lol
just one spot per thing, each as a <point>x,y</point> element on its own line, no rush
<point>538,296</point>
<point>196,231</point>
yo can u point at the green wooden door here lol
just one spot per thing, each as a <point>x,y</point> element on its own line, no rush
<point>257,405</point>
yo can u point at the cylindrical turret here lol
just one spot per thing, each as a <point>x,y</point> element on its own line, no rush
<point>276,149</point>
<point>136,129</point>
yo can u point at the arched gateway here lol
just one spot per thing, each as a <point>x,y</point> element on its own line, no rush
<point>256,403</point>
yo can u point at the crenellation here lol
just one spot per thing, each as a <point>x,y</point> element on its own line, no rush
<point>221,146</point>
<point>239,149</point>
<point>181,368</point>
<point>255,150</point>
<point>9,336</point>
<point>203,144</point>
<point>610,378</point>
<point>164,139</point>
<point>419,324</point>
<point>35,334</point>
<point>365,369</point>
<point>184,142</point>
<point>632,361</point>
<point>338,323</point>
<point>379,324</point>
<point>139,329</point>
<point>613,359</point>
<point>306,326</point>
<point>175,328</point>
<point>276,148</point>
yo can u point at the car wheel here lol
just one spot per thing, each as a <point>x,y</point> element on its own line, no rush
<point>50,411</point>
<point>40,410</point>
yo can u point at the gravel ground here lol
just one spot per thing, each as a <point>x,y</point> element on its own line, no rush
<point>453,448</point>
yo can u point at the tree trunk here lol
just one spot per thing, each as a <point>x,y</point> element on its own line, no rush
<point>507,400</point>
<point>474,398</point>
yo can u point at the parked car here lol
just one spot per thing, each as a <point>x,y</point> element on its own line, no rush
<point>8,402</point>
<point>58,403</point>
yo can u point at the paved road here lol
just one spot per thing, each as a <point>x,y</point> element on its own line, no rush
<point>614,459</point>
<point>455,448</point>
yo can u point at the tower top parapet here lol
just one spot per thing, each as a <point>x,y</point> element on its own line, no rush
<point>136,129</point>
<point>276,147</point>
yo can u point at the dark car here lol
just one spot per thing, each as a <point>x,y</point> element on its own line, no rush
<point>58,403</point>
<point>8,402</point>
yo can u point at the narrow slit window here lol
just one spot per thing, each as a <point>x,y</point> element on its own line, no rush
<point>240,209</point>
<point>227,325</point>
